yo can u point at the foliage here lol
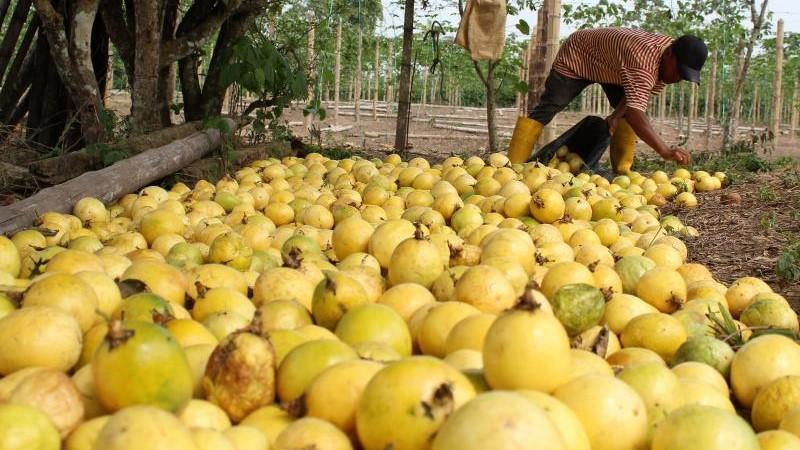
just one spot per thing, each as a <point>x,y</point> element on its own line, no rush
<point>788,266</point>
<point>261,69</point>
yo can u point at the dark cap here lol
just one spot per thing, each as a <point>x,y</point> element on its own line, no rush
<point>691,53</point>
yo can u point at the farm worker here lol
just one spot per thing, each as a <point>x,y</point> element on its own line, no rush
<point>630,65</point>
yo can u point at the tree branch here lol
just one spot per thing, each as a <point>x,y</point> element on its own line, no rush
<point>188,41</point>
<point>479,71</point>
<point>114,19</point>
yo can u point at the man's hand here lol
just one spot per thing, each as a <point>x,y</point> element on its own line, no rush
<point>676,154</point>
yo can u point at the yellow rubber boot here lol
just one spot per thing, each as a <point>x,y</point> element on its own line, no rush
<point>526,132</point>
<point>623,147</point>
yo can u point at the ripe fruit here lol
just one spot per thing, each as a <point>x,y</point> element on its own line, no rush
<point>10,261</point>
<point>43,336</point>
<point>306,361</point>
<point>741,292</point>
<point>24,427</point>
<point>66,292</point>
<point>706,427</point>
<point>334,296</point>
<point>406,402</point>
<point>310,432</point>
<point>469,333</point>
<point>563,274</point>
<point>547,205</point>
<point>774,401</point>
<point>142,426</point>
<point>437,324</point>
<point>335,392</point>
<point>526,348</point>
<point>567,423</point>
<point>485,288</point>
<point>415,260</point>
<point>283,283</point>
<point>240,374</point>
<point>350,236</point>
<point>658,332</point>
<point>375,323</point>
<point>778,440</point>
<point>498,420</point>
<point>663,288</point>
<point>140,363</point>
<point>53,393</point>
<point>406,298</point>
<point>604,403</point>
<point>622,308</point>
<point>761,361</point>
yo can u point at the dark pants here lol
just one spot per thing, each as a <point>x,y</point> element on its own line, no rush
<point>560,90</point>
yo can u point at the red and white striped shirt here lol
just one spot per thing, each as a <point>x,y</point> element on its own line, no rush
<point>622,56</point>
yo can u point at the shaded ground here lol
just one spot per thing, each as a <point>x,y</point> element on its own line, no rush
<point>746,239</point>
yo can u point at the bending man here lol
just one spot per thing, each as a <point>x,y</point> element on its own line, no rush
<point>631,65</point>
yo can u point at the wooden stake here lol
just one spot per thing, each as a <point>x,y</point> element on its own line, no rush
<point>377,79</point>
<point>337,70</point>
<point>692,98</point>
<point>357,83</point>
<point>710,99</point>
<point>777,97</point>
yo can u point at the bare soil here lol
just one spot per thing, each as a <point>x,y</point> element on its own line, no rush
<point>746,238</point>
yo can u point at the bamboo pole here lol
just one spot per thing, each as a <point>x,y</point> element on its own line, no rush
<point>337,70</point>
<point>777,97</point>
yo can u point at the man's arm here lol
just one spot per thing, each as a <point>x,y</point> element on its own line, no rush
<point>641,125</point>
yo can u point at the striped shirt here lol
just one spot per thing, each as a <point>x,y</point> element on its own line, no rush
<point>621,56</point>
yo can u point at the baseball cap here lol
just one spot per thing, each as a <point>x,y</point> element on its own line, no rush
<point>691,53</point>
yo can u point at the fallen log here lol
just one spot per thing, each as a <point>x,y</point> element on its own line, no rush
<point>114,181</point>
<point>58,169</point>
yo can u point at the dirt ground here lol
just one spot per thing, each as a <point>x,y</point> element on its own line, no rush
<point>746,238</point>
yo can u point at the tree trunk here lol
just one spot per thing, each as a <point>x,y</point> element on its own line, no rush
<point>166,75</point>
<point>72,56</point>
<point>755,106</point>
<point>337,72</point>
<point>357,83</point>
<point>404,90</point>
<point>377,78</point>
<point>777,87</point>
<point>308,120</point>
<point>710,90</point>
<point>732,120</point>
<point>144,97</point>
<point>491,106</point>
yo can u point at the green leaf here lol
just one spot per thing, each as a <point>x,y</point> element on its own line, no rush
<point>523,27</point>
<point>521,87</point>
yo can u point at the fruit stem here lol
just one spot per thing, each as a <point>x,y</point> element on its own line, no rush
<point>117,335</point>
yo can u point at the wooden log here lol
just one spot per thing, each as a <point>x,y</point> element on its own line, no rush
<point>112,182</point>
<point>56,170</point>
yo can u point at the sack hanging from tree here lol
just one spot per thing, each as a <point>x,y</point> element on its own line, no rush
<point>483,29</point>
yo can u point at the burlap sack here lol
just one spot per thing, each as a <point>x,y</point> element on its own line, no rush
<point>483,29</point>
